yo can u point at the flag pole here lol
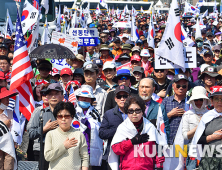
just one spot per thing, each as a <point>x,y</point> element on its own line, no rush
<point>41,162</point>
<point>6,26</point>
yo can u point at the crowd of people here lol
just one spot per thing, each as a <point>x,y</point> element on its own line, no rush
<point>118,94</point>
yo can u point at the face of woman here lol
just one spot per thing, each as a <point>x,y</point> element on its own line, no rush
<point>198,103</point>
<point>135,117</point>
<point>45,100</point>
<point>64,120</point>
<point>217,102</point>
<point>38,89</point>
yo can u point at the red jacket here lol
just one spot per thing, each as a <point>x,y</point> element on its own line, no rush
<point>125,150</point>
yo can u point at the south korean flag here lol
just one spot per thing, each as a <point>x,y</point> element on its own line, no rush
<point>29,16</point>
<point>171,45</point>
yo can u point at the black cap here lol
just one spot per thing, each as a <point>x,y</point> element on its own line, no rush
<point>78,71</point>
<point>98,62</point>
<point>139,69</point>
<point>209,33</point>
<point>44,64</point>
<point>54,86</point>
<point>2,45</point>
<point>122,88</point>
<point>116,39</point>
<point>179,77</point>
<point>91,67</point>
<point>208,52</point>
<point>211,71</point>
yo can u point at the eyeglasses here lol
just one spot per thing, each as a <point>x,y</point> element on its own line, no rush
<point>103,36</point>
<point>159,70</point>
<point>217,99</point>
<point>198,100</point>
<point>217,51</point>
<point>63,116</point>
<point>120,96</point>
<point>183,86</point>
<point>137,111</point>
<point>124,77</point>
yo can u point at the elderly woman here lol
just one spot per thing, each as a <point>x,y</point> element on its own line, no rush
<point>66,147</point>
<point>191,118</point>
<point>209,133</point>
<point>135,130</point>
<point>90,123</point>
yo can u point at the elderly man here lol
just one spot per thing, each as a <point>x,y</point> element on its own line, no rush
<point>54,94</point>
<point>112,119</point>
<point>175,105</point>
<point>146,88</point>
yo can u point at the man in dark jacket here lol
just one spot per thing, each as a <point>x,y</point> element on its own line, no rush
<point>123,78</point>
<point>112,119</point>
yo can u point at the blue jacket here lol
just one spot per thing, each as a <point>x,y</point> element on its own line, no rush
<point>111,120</point>
<point>152,114</point>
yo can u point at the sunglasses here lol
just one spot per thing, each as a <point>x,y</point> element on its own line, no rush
<point>137,111</point>
<point>198,100</point>
<point>103,36</point>
<point>217,99</point>
<point>120,96</point>
<point>159,70</point>
<point>183,86</point>
<point>63,116</point>
<point>124,77</point>
<point>216,51</point>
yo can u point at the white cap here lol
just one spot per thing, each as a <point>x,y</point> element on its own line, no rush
<point>85,91</point>
<point>125,35</point>
<point>145,53</point>
<point>109,64</point>
<point>203,66</point>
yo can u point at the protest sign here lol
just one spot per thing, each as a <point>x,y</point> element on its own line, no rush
<point>65,40</point>
<point>87,36</point>
<point>189,58</point>
<point>59,63</point>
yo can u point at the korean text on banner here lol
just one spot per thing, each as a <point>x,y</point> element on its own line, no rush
<point>189,58</point>
<point>87,36</point>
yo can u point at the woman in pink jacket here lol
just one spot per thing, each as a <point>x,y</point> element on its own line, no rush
<point>135,132</point>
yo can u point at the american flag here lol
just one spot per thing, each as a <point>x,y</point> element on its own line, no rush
<point>17,0</point>
<point>22,73</point>
<point>66,98</point>
<point>72,97</point>
<point>35,3</point>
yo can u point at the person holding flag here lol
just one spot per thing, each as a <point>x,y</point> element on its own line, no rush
<point>7,149</point>
<point>87,115</point>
